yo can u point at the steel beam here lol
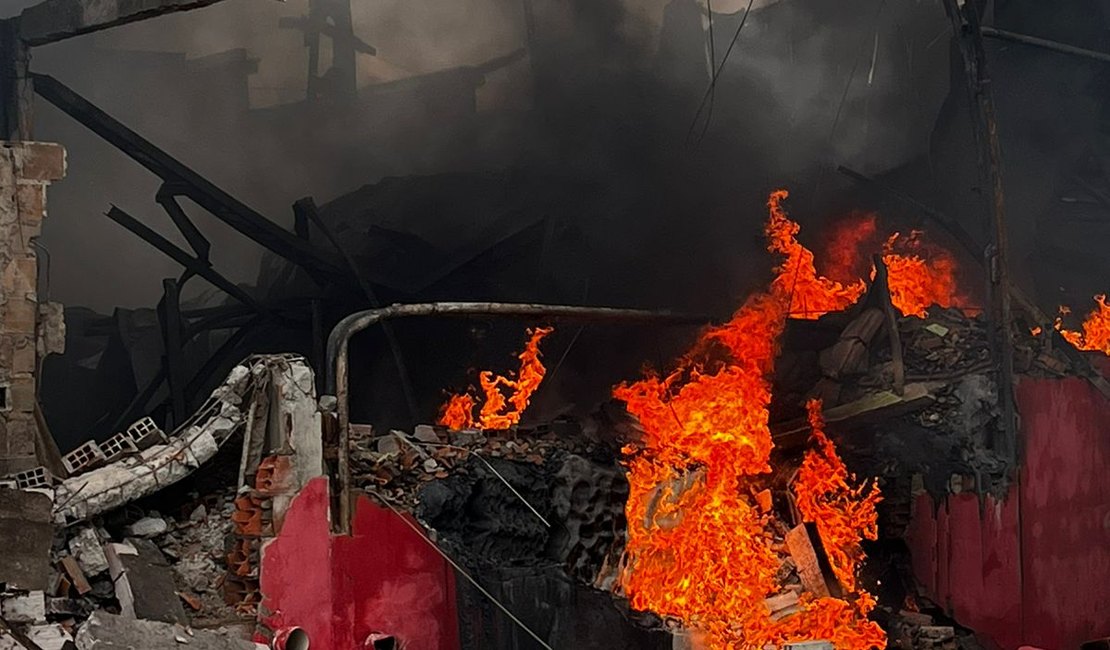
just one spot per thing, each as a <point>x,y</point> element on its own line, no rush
<point>186,182</point>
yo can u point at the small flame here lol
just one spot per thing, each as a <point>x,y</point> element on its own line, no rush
<point>1095,334</point>
<point>810,295</point>
<point>498,412</point>
<point>918,282</point>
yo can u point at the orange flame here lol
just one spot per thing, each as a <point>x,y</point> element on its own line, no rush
<point>921,274</point>
<point>1095,334</point>
<point>497,411</point>
<point>810,295</point>
<point>824,495</point>
<point>918,282</point>
<point>843,260</point>
<point>699,547</point>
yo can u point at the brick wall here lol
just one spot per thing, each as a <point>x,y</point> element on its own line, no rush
<point>26,169</point>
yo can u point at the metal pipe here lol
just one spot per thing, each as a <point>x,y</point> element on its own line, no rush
<point>338,383</point>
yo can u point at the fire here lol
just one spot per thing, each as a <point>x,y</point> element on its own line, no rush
<point>699,547</point>
<point>497,411</point>
<point>921,274</point>
<point>809,295</point>
<point>1096,328</point>
<point>918,282</point>
<point>825,495</point>
<point>848,237</point>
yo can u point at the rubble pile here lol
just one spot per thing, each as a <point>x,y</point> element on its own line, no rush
<point>96,568</point>
<point>395,465</point>
<point>525,496</point>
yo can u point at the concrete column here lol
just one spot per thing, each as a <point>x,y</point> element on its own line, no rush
<point>26,169</point>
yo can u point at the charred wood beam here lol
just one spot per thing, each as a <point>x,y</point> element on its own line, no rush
<point>186,182</point>
<point>338,341</point>
<point>197,266</point>
<point>969,39</point>
<point>55,20</point>
<point>169,313</point>
<point>16,91</point>
<point>882,282</point>
<point>877,407</point>
<point>167,198</point>
<point>1055,46</point>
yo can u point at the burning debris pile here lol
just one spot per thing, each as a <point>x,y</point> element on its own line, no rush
<point>714,536</point>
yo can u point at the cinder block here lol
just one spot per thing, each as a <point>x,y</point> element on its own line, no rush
<point>145,433</point>
<point>37,477</point>
<point>85,457</point>
<point>117,447</point>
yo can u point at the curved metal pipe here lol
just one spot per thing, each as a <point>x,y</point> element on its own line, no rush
<point>338,383</point>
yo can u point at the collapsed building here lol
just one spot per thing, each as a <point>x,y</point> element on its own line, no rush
<point>854,459</point>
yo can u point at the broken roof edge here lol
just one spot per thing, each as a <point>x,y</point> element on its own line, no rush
<point>191,445</point>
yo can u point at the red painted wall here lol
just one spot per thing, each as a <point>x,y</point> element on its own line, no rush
<point>1035,568</point>
<point>382,578</point>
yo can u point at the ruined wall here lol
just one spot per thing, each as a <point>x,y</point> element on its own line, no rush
<point>28,330</point>
<point>383,578</point>
<point>1031,569</point>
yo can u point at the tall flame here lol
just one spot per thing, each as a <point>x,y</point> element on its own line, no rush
<point>699,548</point>
<point>1095,334</point>
<point>497,411</point>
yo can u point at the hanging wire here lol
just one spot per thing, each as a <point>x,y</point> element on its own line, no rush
<point>712,89</point>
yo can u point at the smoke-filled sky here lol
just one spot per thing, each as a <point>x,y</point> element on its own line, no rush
<point>810,84</point>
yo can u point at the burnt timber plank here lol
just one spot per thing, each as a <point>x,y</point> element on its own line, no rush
<point>200,267</point>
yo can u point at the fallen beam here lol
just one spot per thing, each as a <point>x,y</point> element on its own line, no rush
<point>872,408</point>
<point>194,443</point>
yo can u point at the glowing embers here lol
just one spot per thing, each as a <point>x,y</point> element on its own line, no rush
<point>496,410</point>
<point>1095,334</point>
<point>701,547</point>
